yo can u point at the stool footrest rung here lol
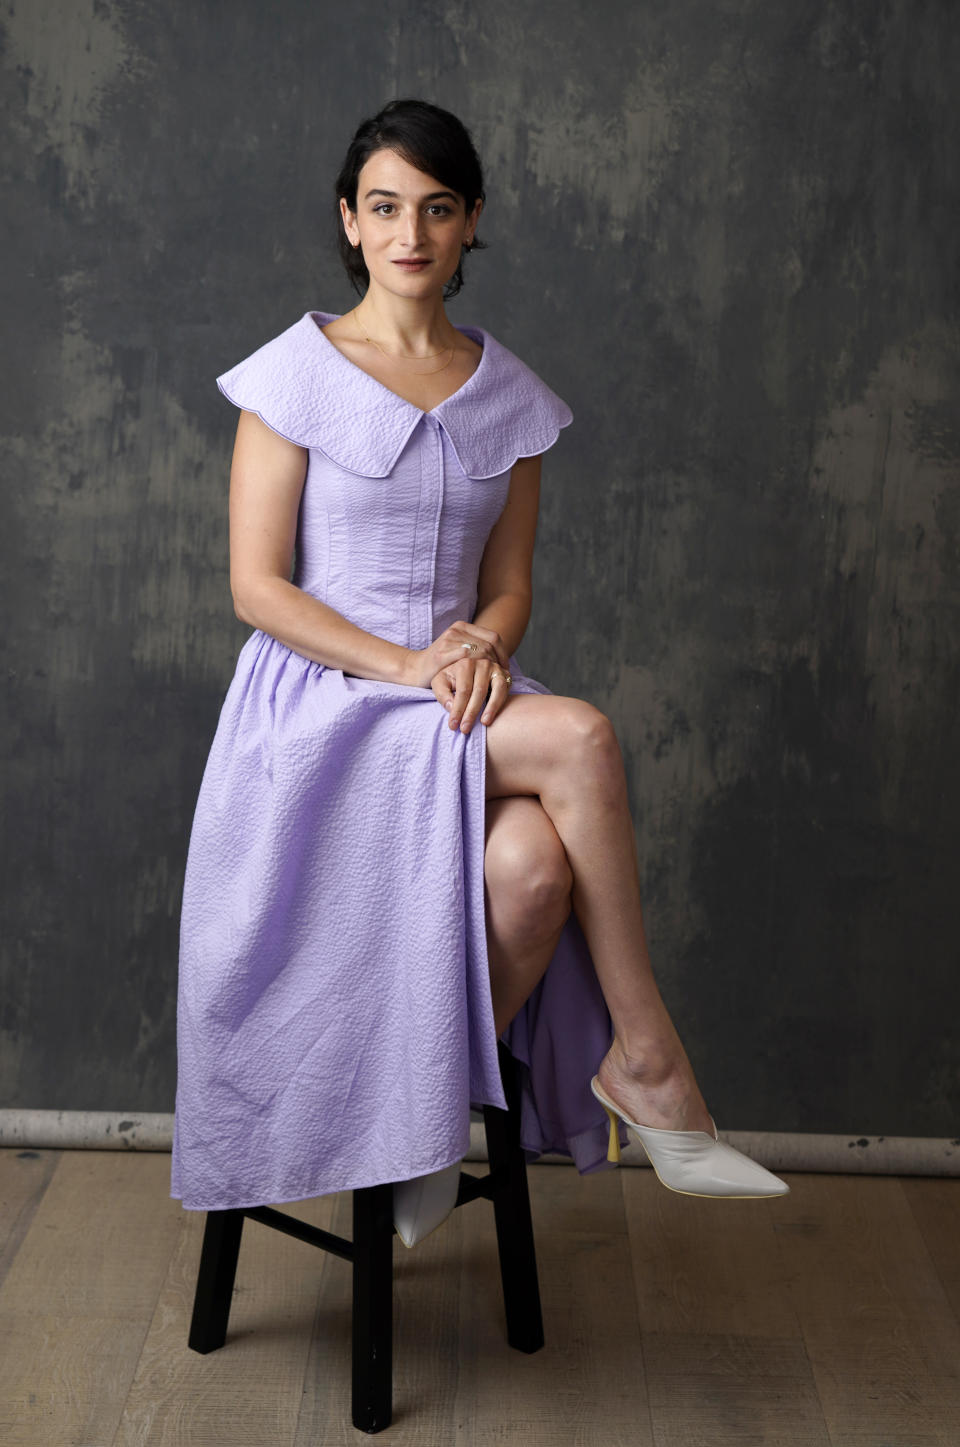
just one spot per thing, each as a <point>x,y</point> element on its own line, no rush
<point>292,1226</point>
<point>472,1188</point>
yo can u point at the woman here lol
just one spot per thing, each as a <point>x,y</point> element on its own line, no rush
<point>377,889</point>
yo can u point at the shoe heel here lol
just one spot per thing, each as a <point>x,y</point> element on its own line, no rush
<point>613,1149</point>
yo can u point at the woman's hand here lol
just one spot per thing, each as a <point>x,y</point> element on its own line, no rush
<point>463,686</point>
<point>425,663</point>
<point>462,678</point>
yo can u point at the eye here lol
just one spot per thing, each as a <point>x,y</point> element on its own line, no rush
<point>437,208</point>
<point>383,208</point>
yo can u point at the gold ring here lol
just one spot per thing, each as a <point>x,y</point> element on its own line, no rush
<point>471,647</point>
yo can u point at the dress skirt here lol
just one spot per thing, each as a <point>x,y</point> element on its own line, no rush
<point>335,1024</point>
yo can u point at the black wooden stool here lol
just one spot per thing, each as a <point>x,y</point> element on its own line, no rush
<point>371,1251</point>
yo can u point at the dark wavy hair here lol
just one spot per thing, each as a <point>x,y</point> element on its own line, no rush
<point>427,137</point>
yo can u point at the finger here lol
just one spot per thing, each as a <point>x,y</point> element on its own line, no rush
<point>499,693</point>
<point>486,641</point>
<point>482,651</point>
<point>461,675</point>
<point>484,648</point>
<point>443,690</point>
<point>481,686</point>
<point>496,644</point>
<point>457,685</point>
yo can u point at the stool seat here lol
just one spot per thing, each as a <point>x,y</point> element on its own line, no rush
<point>371,1251</point>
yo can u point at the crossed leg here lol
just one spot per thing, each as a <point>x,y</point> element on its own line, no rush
<point>565,752</point>
<point>528,881</point>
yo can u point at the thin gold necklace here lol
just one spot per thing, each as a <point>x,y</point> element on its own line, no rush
<point>412,357</point>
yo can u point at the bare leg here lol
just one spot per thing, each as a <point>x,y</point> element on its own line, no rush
<point>528,881</point>
<point>565,751</point>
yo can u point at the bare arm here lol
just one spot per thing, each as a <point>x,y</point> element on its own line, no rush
<point>505,587</point>
<point>266,485</point>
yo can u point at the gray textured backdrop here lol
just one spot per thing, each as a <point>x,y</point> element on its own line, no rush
<point>726,232</point>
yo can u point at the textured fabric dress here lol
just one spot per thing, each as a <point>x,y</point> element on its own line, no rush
<point>334,1018</point>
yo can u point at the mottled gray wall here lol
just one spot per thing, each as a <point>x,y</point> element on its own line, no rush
<point>726,232</point>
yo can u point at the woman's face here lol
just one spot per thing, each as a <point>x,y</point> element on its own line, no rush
<point>409,225</point>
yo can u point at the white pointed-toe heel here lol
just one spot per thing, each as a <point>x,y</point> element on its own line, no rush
<point>424,1203</point>
<point>693,1162</point>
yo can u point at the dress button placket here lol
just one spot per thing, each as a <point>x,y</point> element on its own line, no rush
<point>428,529</point>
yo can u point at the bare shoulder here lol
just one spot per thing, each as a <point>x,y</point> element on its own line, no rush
<point>340,329</point>
<point>343,334</point>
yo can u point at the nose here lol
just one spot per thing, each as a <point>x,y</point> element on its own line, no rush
<point>411,228</point>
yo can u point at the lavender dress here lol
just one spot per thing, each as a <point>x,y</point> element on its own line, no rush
<point>334,1020</point>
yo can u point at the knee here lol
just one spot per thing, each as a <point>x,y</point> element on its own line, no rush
<point>542,901</point>
<point>592,749</point>
<point>546,887</point>
<point>531,886</point>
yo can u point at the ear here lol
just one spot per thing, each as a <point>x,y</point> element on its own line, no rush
<point>470,225</point>
<point>349,220</point>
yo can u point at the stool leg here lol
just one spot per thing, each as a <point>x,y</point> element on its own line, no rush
<point>372,1307</point>
<point>218,1267</point>
<point>511,1206</point>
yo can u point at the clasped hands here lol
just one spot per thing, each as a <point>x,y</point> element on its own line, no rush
<point>462,680</point>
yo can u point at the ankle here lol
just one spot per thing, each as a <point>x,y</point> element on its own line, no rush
<point>646,1061</point>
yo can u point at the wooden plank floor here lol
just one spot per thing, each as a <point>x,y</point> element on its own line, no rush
<point>829,1319</point>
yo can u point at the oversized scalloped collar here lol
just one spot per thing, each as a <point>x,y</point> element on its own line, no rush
<point>308,391</point>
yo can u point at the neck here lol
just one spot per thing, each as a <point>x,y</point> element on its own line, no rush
<point>406,324</point>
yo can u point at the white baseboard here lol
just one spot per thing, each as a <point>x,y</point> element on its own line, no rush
<point>93,1130</point>
<point>778,1151</point>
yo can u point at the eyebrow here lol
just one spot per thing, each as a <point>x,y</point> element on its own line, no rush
<point>433,196</point>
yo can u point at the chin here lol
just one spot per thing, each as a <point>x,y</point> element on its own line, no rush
<point>416,283</point>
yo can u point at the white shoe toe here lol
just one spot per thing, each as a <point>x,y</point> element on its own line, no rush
<point>696,1165</point>
<point>424,1203</point>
